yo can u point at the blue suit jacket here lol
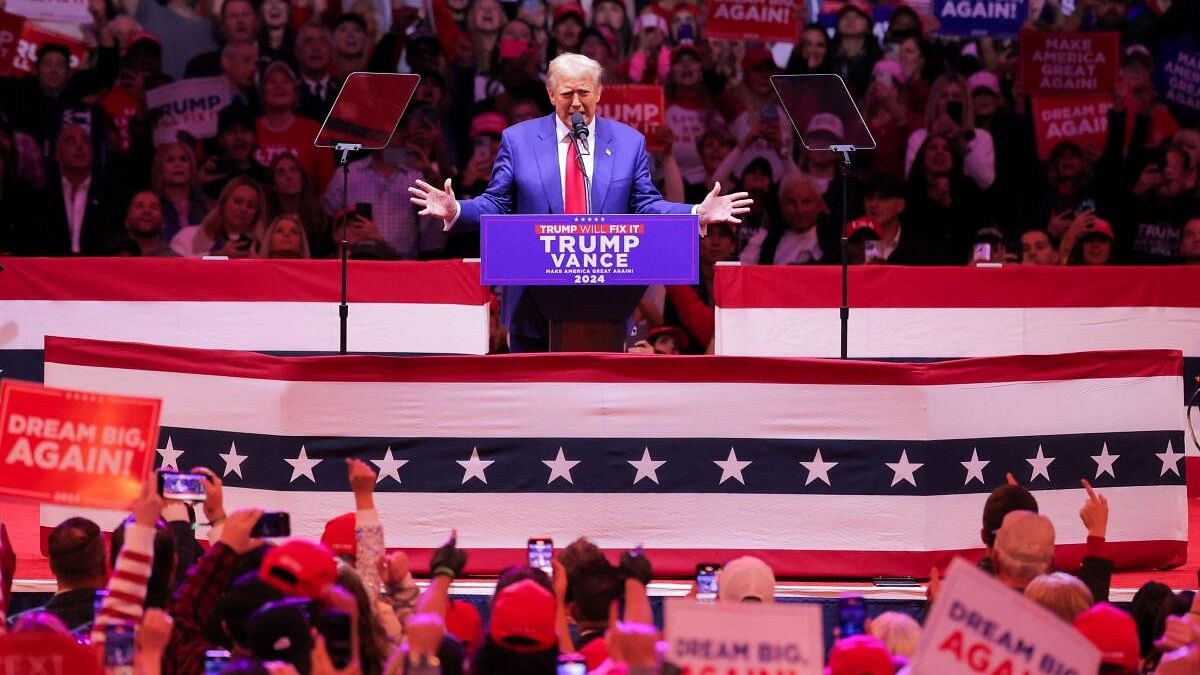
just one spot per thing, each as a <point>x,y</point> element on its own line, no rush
<point>525,179</point>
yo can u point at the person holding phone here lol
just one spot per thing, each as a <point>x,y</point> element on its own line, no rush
<point>951,113</point>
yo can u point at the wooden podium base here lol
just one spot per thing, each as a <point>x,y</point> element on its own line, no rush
<point>587,336</point>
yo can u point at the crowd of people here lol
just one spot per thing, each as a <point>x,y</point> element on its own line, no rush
<point>955,178</point>
<point>345,605</point>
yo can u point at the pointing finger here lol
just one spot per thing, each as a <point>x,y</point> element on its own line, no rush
<point>1088,486</point>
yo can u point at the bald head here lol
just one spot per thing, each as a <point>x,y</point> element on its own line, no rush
<point>1024,548</point>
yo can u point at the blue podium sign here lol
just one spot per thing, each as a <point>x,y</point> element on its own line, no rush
<point>589,250</point>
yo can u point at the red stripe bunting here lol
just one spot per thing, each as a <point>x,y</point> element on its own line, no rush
<point>546,368</point>
<point>1011,286</point>
<point>192,280</point>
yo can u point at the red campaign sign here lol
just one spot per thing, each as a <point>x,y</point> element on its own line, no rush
<point>1079,119</point>
<point>10,35</point>
<point>75,447</point>
<point>764,20</point>
<point>641,106</point>
<point>31,40</point>
<point>1056,63</point>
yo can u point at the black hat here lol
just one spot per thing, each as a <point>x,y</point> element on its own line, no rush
<point>885,185</point>
<point>279,631</point>
<point>234,114</point>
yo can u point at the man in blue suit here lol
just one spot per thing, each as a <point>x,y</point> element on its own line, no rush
<point>536,171</point>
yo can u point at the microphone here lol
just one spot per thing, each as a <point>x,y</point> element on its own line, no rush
<point>580,131</point>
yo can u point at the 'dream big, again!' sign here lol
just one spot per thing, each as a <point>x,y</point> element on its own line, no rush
<point>75,447</point>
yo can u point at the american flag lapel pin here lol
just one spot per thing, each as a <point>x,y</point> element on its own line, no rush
<point>608,151</point>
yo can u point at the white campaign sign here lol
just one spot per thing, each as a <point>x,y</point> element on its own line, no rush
<point>65,11</point>
<point>189,105</point>
<point>712,637</point>
<point>979,625</point>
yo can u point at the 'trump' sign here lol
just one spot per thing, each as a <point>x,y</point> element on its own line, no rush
<point>978,625</point>
<point>75,447</point>
<point>641,106</point>
<point>190,106</point>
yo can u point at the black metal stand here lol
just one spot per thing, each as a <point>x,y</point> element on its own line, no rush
<point>844,311</point>
<point>344,308</point>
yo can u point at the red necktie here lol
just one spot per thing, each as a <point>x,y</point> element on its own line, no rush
<point>576,197</point>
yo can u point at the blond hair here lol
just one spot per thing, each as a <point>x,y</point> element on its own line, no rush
<point>1061,593</point>
<point>899,631</point>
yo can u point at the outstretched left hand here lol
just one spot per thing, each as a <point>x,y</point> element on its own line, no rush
<point>723,209</point>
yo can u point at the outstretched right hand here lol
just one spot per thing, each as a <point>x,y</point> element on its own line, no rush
<point>434,203</point>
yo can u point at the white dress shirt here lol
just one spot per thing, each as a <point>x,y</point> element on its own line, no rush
<point>75,203</point>
<point>563,133</point>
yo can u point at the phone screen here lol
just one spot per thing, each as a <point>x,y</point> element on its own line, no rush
<point>215,660</point>
<point>872,251</point>
<point>541,554</point>
<point>184,487</point>
<point>273,524</point>
<point>118,647</point>
<point>852,615</point>
<point>572,664</point>
<point>706,581</point>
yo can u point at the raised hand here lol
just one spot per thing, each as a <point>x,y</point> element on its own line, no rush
<point>433,202</point>
<point>722,209</point>
<point>449,559</point>
<point>1094,512</point>
<point>214,495</point>
<point>362,483</point>
<point>238,527</point>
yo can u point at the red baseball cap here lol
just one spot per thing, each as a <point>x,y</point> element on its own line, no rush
<point>1114,633</point>
<point>523,618</point>
<point>568,9</point>
<point>463,622</point>
<point>758,56</point>
<point>339,535</point>
<point>299,567</point>
<point>861,225</point>
<point>1098,226</point>
<point>860,655</point>
<point>488,123</point>
<point>860,6</point>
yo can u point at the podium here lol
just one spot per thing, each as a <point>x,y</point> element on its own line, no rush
<point>586,273</point>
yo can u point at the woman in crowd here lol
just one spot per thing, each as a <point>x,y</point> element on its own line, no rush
<point>292,193</point>
<point>280,130</point>
<point>611,14</point>
<point>285,238</point>
<point>946,207</point>
<point>276,39</point>
<point>1088,241</point>
<point>855,48</point>
<point>1069,173</point>
<point>485,22</point>
<point>652,59</point>
<point>231,228</point>
<point>884,111</point>
<point>915,55</point>
<point>690,111</point>
<point>951,114</point>
<point>813,53</point>
<point>176,180</point>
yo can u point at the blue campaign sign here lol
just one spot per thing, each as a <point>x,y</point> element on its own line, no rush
<point>1178,74</point>
<point>980,18</point>
<point>589,250</point>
